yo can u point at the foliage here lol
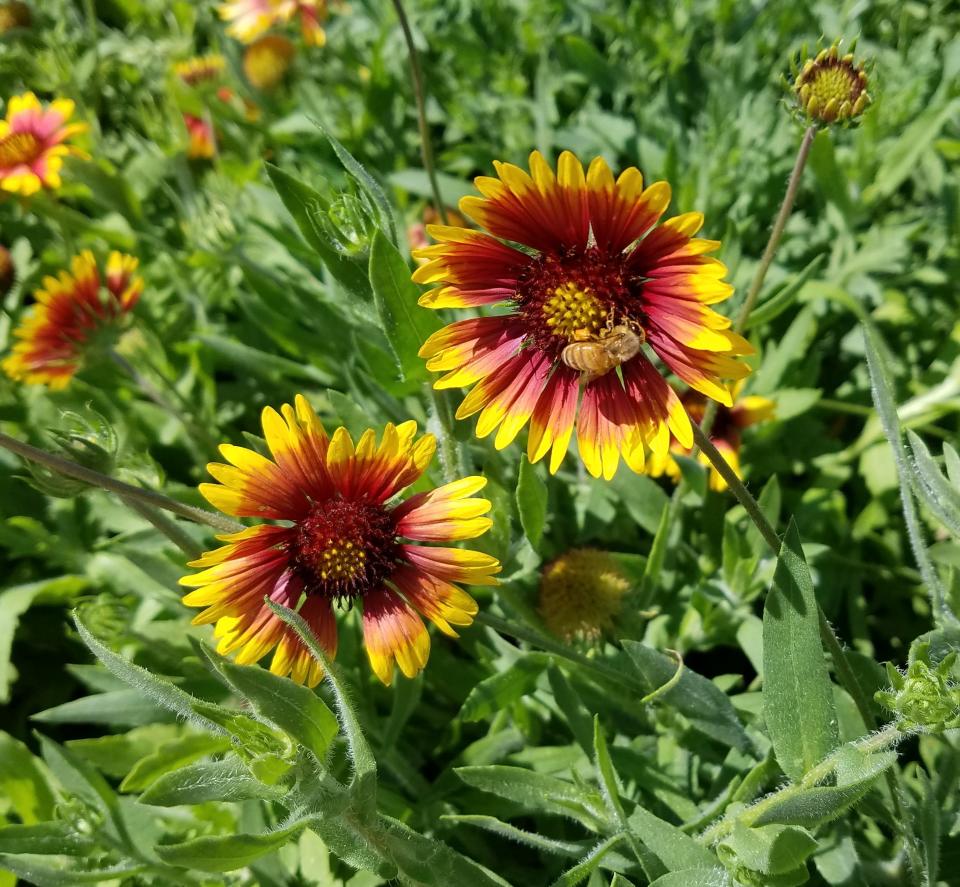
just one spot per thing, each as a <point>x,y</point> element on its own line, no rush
<point>717,735</point>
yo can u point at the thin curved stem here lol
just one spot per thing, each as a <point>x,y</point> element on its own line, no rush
<point>416,74</point>
<point>80,472</point>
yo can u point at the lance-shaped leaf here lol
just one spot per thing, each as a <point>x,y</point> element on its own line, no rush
<point>226,853</point>
<point>226,780</point>
<point>531,502</point>
<point>495,693</point>
<point>797,695</point>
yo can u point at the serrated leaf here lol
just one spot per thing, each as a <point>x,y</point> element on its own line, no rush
<point>797,694</point>
<point>531,502</point>
<point>701,701</point>
<point>500,690</point>
<point>406,325</point>
<point>226,780</point>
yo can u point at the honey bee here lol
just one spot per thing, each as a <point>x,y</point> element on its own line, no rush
<point>595,356</point>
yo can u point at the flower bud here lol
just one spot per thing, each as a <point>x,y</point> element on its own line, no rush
<point>831,88</point>
<point>925,697</point>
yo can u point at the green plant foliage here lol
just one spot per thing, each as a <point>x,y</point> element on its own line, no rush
<point>768,696</point>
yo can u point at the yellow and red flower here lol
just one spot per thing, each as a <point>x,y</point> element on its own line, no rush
<point>71,313</point>
<point>33,143</point>
<point>725,434</point>
<point>14,14</point>
<point>267,60</point>
<point>201,141</point>
<point>200,69</point>
<point>591,257</point>
<point>344,543</point>
<point>250,19</point>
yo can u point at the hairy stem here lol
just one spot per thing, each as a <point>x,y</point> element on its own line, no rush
<point>416,74</point>
<point>80,472</point>
<point>166,526</point>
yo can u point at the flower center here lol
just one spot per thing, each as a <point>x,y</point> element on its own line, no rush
<point>576,296</point>
<point>19,147</point>
<point>834,82</point>
<point>343,549</point>
<point>572,312</point>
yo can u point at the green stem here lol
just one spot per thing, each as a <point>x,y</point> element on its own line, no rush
<point>426,145</point>
<point>793,185</point>
<point>888,737</point>
<point>166,526</point>
<point>73,469</point>
<point>450,457</point>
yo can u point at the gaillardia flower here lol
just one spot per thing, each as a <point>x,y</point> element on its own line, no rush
<point>832,88</point>
<point>250,19</point>
<point>200,69</point>
<point>343,543</point>
<point>267,61</point>
<point>589,277</point>
<point>201,141</point>
<point>33,143</point>
<point>725,434</point>
<point>581,593</point>
<point>73,313</point>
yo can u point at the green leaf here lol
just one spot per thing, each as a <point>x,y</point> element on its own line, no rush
<point>675,849</point>
<point>163,692</point>
<point>292,707</point>
<point>55,838</point>
<point>416,181</point>
<point>935,490</point>
<point>702,702</point>
<point>41,873</point>
<point>304,204</point>
<point>512,833</point>
<point>531,502</point>
<point>769,850</point>
<point>495,693</point>
<point>814,806</point>
<point>226,780</point>
<point>171,755</point>
<point>590,863</point>
<point>769,502</point>
<point>226,853</point>
<point>14,602</point>
<point>263,363</point>
<point>695,877</point>
<point>23,782</point>
<point>537,792</point>
<point>797,695</point>
<point>405,324</point>
<point>128,708</point>
<point>607,776</point>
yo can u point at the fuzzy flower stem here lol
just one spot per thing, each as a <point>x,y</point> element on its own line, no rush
<point>166,526</point>
<point>69,468</point>
<point>889,737</point>
<point>451,462</point>
<point>426,146</point>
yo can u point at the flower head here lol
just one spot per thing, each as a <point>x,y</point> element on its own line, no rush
<point>725,434</point>
<point>33,143</point>
<point>267,61</point>
<point>14,14</point>
<point>596,283</point>
<point>71,313</point>
<point>200,69</point>
<point>581,593</point>
<point>251,19</point>
<point>832,88</point>
<point>201,144</point>
<point>344,543</point>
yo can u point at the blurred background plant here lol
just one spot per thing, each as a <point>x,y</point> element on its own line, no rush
<point>275,261</point>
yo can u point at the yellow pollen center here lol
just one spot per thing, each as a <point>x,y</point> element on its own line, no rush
<point>573,312</point>
<point>832,83</point>
<point>342,561</point>
<point>19,147</point>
